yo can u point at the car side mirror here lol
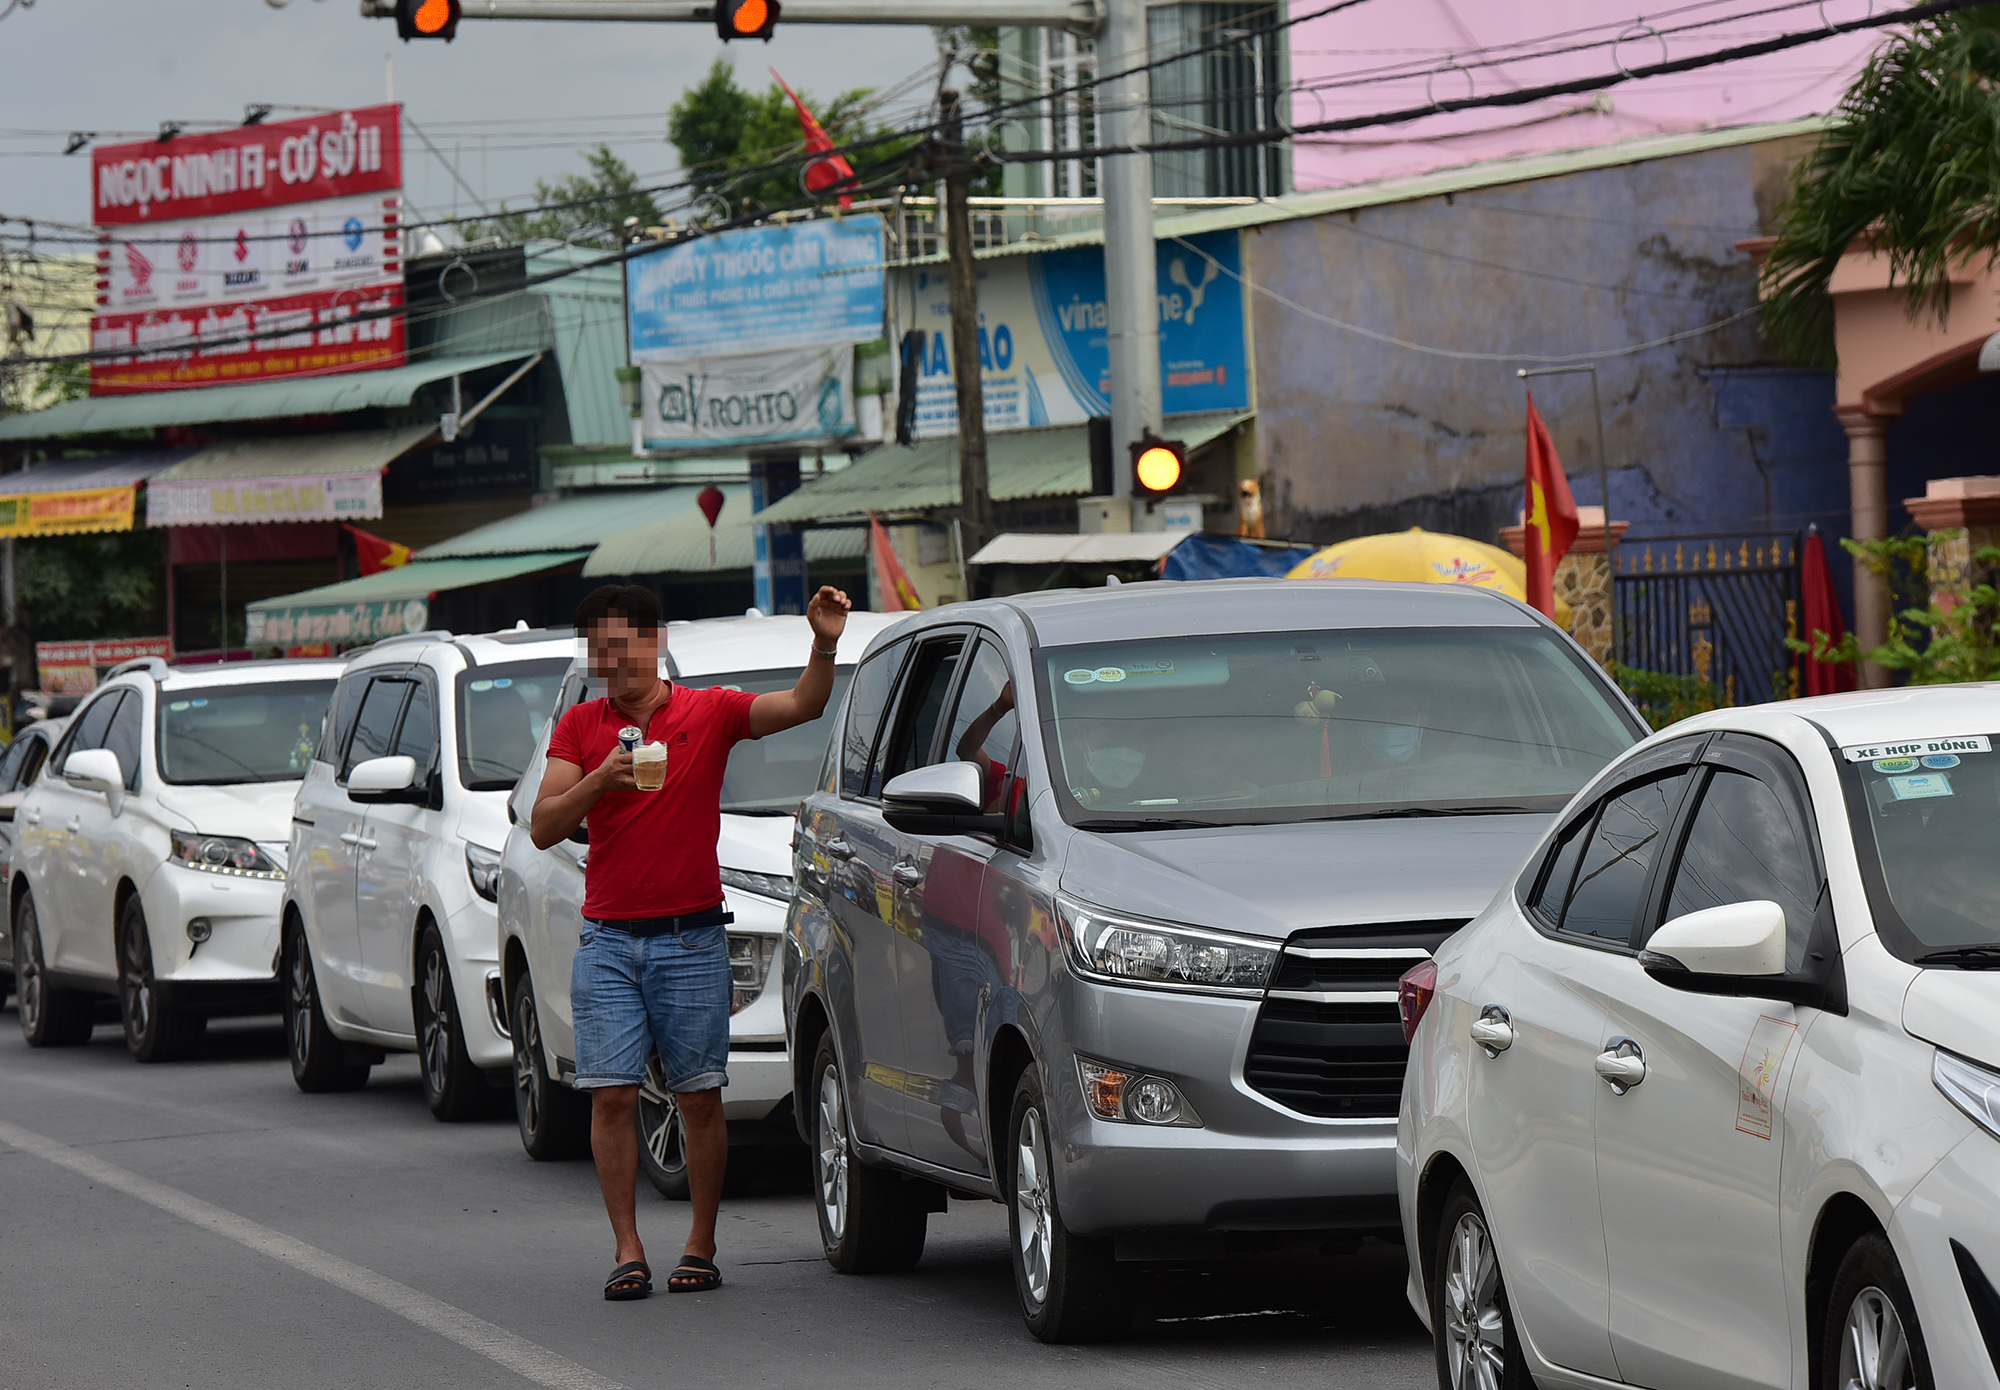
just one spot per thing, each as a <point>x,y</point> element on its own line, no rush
<point>1734,939</point>
<point>942,799</point>
<point>97,770</point>
<point>385,780</point>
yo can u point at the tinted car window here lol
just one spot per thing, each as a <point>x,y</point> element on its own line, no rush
<point>419,738</point>
<point>773,774</point>
<point>984,725</point>
<point>1932,819</point>
<point>1611,878</point>
<point>122,738</point>
<point>339,721</point>
<point>230,734</point>
<point>31,762</point>
<point>867,700</point>
<point>921,709</point>
<point>15,771</point>
<point>1743,845</point>
<point>1548,902</point>
<point>503,716</point>
<point>90,727</point>
<point>375,725</point>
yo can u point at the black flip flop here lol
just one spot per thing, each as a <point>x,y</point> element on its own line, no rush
<point>694,1275</point>
<point>633,1279</point>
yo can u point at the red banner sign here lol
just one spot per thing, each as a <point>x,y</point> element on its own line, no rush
<point>248,168</point>
<point>220,344</point>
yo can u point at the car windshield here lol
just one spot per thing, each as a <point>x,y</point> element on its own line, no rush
<point>1932,806</point>
<point>503,716</point>
<point>771,776</point>
<point>228,734</point>
<point>1269,727</point>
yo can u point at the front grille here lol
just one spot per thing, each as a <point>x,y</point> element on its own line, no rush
<point>1327,1041</point>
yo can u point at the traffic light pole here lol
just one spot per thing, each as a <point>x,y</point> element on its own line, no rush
<point>1078,16</point>
<point>1131,275</point>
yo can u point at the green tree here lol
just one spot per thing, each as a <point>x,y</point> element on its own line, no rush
<point>1911,164</point>
<point>1943,630</point>
<point>603,199</point>
<point>75,587</point>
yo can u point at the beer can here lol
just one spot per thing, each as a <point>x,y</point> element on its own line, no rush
<point>630,736</point>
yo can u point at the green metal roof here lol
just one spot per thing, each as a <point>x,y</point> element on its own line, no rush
<point>1050,462</point>
<point>299,455</point>
<point>575,523</point>
<point>262,400</point>
<point>587,314</point>
<point>420,579</point>
<point>678,544</point>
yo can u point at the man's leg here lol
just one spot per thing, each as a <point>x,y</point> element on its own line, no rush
<point>687,987</point>
<point>614,1143</point>
<point>611,1044</point>
<point>707,1137</point>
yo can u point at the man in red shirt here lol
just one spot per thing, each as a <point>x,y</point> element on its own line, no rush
<point>652,964</point>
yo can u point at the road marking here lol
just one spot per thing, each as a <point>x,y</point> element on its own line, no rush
<point>524,1358</point>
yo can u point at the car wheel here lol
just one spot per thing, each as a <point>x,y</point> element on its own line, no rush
<point>320,1061</point>
<point>1070,1288</point>
<point>50,1017</point>
<point>662,1136</point>
<point>155,1031</point>
<point>1477,1348</point>
<point>554,1119</point>
<point>870,1221</point>
<point>1873,1341</point>
<point>454,1088</point>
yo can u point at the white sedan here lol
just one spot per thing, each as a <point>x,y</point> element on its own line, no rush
<point>1710,1096</point>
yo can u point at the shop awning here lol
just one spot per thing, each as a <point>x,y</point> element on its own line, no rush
<point>574,523</point>
<point>678,544</point>
<point>385,604</point>
<point>305,477</point>
<point>75,496</point>
<point>390,387</point>
<point>1098,548</point>
<point>892,481</point>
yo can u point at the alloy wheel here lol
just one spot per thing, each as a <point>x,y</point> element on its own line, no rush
<point>299,986</point>
<point>833,1156</point>
<point>526,1050</point>
<point>29,983</point>
<point>660,1120</point>
<point>1031,1200</point>
<point>135,982</point>
<point>1474,1324</point>
<point>435,1038</point>
<point>1874,1349</point>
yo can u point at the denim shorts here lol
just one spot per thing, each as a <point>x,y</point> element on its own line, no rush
<point>636,995</point>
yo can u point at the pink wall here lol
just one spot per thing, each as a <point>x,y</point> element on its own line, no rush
<point>1407,41</point>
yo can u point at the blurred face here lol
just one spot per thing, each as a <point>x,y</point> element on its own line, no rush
<point>624,657</point>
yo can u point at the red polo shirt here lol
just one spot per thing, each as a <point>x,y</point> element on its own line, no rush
<point>652,854</point>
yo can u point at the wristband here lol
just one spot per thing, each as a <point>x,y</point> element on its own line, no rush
<point>830,656</point>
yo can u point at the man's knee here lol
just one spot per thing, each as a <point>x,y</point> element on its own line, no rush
<point>700,1108</point>
<point>613,1104</point>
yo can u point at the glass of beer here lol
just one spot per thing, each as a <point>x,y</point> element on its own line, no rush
<point>649,766</point>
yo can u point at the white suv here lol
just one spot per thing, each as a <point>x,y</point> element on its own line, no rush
<point>389,933</point>
<point>150,852</point>
<point>541,903</point>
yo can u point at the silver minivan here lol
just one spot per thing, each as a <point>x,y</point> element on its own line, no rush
<point>1103,897</point>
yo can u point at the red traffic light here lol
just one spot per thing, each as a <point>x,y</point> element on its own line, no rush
<point>1158,465</point>
<point>427,19</point>
<point>745,19</point>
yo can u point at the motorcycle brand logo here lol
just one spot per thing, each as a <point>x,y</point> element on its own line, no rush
<point>295,236</point>
<point>242,246</point>
<point>351,231</point>
<point>185,254</point>
<point>141,268</point>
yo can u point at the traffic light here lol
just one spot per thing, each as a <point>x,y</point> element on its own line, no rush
<point>427,19</point>
<point>1159,466</point>
<point>745,19</point>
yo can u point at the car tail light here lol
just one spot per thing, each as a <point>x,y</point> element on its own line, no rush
<point>1414,993</point>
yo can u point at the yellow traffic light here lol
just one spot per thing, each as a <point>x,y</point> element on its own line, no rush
<point>745,19</point>
<point>427,19</point>
<point>1158,464</point>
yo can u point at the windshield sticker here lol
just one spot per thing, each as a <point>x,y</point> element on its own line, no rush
<point>482,686</point>
<point>1941,760</point>
<point>1897,764</point>
<point>503,683</point>
<point>1079,677</point>
<point>1920,784</point>
<point>200,704</point>
<point>178,705</point>
<point>1110,675</point>
<point>1757,1074</point>
<point>1145,668</point>
<point>1869,752</point>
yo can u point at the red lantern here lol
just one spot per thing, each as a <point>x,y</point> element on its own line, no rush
<point>710,500</point>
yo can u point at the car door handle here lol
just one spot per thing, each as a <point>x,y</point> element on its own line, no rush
<point>35,816</point>
<point>75,824</point>
<point>350,837</point>
<point>907,874</point>
<point>838,848</point>
<point>1493,1030</point>
<point>1622,1065</point>
<point>368,843</point>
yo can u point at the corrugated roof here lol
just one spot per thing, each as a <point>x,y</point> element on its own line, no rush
<point>678,544</point>
<point>574,523</point>
<point>1097,548</point>
<point>1050,462</point>
<point>420,579</point>
<point>262,400</point>
<point>71,475</point>
<point>587,314</point>
<point>299,455</point>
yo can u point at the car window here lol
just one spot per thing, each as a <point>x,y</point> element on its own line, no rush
<point>865,703</point>
<point>419,736</point>
<point>339,721</point>
<point>375,723</point>
<point>1744,845</point>
<point>1547,902</point>
<point>31,762</point>
<point>229,735</point>
<point>1624,844</point>
<point>773,774</point>
<point>89,729</point>
<point>14,769</point>
<point>920,710</point>
<point>503,717</point>
<point>122,738</point>
<point>1924,814</point>
<point>984,724</point>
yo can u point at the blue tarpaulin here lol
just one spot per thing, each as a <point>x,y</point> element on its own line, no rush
<point>1207,556</point>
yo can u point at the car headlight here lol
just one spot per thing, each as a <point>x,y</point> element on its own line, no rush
<point>482,866</point>
<point>777,886</point>
<point>1115,1093</point>
<point>749,966</point>
<point>1971,1087</point>
<point>1132,951</point>
<point>222,854</point>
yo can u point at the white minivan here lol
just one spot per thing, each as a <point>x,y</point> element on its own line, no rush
<point>541,902</point>
<point>390,941</point>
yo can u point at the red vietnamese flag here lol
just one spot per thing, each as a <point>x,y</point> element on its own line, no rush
<point>898,594</point>
<point>833,171</point>
<point>376,553</point>
<point>1820,613</point>
<point>1550,515</point>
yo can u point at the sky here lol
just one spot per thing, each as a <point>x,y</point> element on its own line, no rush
<point>510,102</point>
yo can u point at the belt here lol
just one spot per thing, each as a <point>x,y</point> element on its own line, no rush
<point>661,926</point>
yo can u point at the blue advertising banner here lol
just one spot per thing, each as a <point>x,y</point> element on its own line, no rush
<point>757,289</point>
<point>1043,352</point>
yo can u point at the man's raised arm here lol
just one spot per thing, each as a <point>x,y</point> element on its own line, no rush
<point>806,701</point>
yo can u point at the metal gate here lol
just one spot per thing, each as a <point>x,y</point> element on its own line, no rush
<point>1716,607</point>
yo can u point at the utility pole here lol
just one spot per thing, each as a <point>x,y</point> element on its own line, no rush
<point>1131,275</point>
<point>975,507</point>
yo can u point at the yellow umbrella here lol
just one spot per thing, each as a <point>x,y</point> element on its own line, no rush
<point>1417,556</point>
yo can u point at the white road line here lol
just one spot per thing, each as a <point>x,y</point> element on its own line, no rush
<point>524,1358</point>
